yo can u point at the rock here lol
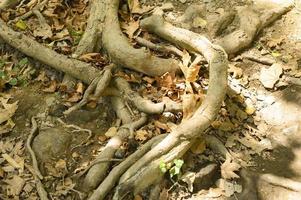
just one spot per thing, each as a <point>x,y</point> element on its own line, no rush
<point>51,143</point>
<point>205,177</point>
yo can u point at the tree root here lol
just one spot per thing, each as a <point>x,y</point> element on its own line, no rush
<point>251,23</point>
<point>146,170</point>
<point>97,86</point>
<point>159,47</point>
<point>30,138</point>
<point>145,105</point>
<point>122,52</point>
<point>28,46</point>
<point>281,181</point>
<point>92,35</point>
<point>109,182</point>
<point>97,173</point>
<point>30,12</point>
<point>35,170</point>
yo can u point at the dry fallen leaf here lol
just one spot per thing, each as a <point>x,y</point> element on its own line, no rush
<point>141,135</point>
<point>15,185</point>
<point>131,28</point>
<point>111,132</point>
<point>8,109</point>
<point>228,187</point>
<point>268,77</point>
<point>228,169</point>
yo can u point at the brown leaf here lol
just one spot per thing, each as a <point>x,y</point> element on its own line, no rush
<point>268,77</point>
<point>51,88</point>
<point>192,73</point>
<point>75,97</point>
<point>16,185</point>
<point>131,28</point>
<point>228,169</point>
<point>141,135</point>
<point>8,109</point>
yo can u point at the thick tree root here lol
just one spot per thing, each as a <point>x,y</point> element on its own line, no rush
<point>109,182</point>
<point>146,170</point>
<point>122,52</point>
<point>251,23</point>
<point>97,173</point>
<point>28,46</point>
<point>92,35</point>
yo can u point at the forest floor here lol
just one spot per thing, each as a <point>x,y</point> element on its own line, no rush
<point>259,123</point>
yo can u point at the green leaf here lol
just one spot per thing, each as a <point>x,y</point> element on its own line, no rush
<point>21,25</point>
<point>276,54</point>
<point>13,81</point>
<point>178,162</point>
<point>2,74</point>
<point>162,167</point>
<point>23,62</point>
<point>2,63</point>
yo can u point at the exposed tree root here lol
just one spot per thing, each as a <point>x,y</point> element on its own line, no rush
<point>146,170</point>
<point>30,138</point>
<point>159,47</point>
<point>251,23</point>
<point>93,31</point>
<point>141,169</point>
<point>109,182</point>
<point>98,172</point>
<point>145,105</point>
<point>281,181</point>
<point>122,52</point>
<point>31,12</point>
<point>28,46</point>
<point>97,86</point>
<point>91,36</point>
<point>35,170</point>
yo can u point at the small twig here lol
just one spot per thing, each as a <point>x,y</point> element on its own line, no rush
<point>159,47</point>
<point>32,135</point>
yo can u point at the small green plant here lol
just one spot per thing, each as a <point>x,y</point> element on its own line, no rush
<point>173,168</point>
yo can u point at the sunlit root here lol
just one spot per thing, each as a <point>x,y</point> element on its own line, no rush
<point>124,54</point>
<point>180,139</point>
<point>150,173</point>
<point>98,172</point>
<point>251,23</point>
<point>109,182</point>
<point>281,181</point>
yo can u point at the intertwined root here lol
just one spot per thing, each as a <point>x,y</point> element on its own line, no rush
<point>141,169</point>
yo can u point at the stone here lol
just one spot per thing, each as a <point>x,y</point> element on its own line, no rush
<point>205,177</point>
<point>51,143</point>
